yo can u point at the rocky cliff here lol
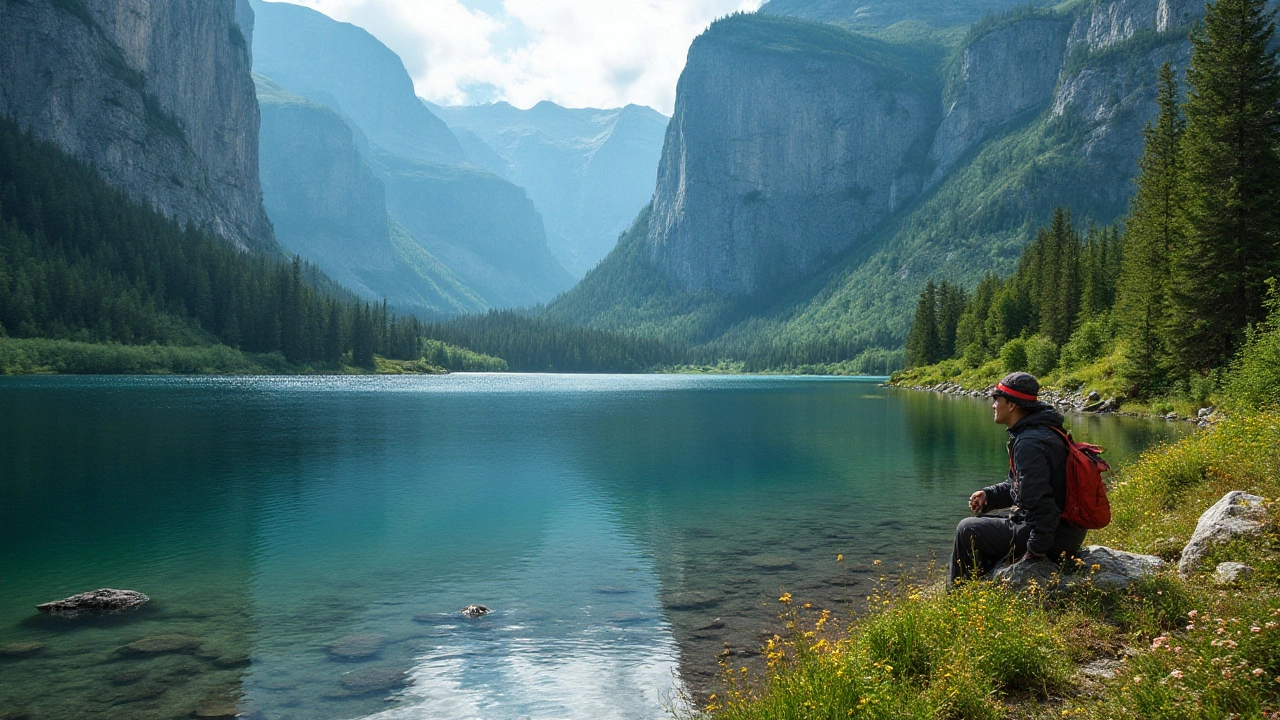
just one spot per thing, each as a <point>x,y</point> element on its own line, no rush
<point>1000,75</point>
<point>156,94</point>
<point>587,171</point>
<point>882,13</point>
<point>324,199</point>
<point>479,228</point>
<point>790,142</point>
<point>348,70</point>
<point>1035,109</point>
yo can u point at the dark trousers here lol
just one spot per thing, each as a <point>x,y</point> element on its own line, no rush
<point>983,541</point>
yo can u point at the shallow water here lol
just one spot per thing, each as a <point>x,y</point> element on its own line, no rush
<point>317,536</point>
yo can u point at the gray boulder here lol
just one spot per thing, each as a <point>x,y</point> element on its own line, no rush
<point>475,611</point>
<point>1228,573</point>
<point>1098,566</point>
<point>104,601</point>
<point>1237,514</point>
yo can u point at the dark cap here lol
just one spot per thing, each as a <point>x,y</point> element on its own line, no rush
<point>1017,386</point>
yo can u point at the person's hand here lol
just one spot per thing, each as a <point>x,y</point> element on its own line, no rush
<point>978,502</point>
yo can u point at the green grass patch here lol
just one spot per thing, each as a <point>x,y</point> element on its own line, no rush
<point>30,356</point>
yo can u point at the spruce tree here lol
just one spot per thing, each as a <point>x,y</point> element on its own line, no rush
<point>951,300</point>
<point>922,340</point>
<point>1153,230</point>
<point>1232,181</point>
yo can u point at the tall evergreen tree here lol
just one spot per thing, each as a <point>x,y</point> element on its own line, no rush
<point>951,300</point>
<point>1232,175</point>
<point>1153,231</point>
<point>922,340</point>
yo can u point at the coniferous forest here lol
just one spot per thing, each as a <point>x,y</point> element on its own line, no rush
<point>80,261</point>
<point>1169,300</point>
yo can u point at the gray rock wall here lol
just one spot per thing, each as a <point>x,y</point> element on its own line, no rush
<point>325,201</point>
<point>156,94</point>
<point>776,163</point>
<point>1001,75</point>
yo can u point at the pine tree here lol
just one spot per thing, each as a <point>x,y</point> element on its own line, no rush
<point>922,340</point>
<point>1153,231</point>
<point>1232,180</point>
<point>951,300</point>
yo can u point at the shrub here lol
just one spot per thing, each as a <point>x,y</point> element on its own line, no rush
<point>1042,356</point>
<point>1088,343</point>
<point>1014,355</point>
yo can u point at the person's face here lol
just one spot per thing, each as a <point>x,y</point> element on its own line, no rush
<point>1003,409</point>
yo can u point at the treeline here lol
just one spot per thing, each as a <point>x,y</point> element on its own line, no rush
<point>1064,282</point>
<point>534,344</point>
<point>81,261</point>
<point>1182,291</point>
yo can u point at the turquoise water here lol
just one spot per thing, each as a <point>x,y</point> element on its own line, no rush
<point>624,529</point>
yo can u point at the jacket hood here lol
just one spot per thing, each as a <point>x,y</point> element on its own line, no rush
<point>1046,416</point>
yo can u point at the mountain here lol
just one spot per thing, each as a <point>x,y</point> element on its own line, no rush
<point>1032,109</point>
<point>154,94</point>
<point>329,206</point>
<point>587,171</point>
<point>476,240</point>
<point>884,13</point>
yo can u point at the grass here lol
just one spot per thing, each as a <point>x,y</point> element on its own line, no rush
<point>1184,649</point>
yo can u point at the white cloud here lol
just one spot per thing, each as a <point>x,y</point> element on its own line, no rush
<point>579,53</point>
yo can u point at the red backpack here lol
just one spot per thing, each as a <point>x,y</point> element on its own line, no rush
<point>1087,504</point>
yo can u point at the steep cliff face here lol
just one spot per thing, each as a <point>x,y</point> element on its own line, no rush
<point>999,76</point>
<point>345,68</point>
<point>156,94</point>
<point>783,154</point>
<point>454,213</point>
<point>881,13</point>
<point>587,171</point>
<point>325,201</point>
<point>478,227</point>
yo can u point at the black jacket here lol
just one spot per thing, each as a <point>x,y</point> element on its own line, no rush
<point>1037,484</point>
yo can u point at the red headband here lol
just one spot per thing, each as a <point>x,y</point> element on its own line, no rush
<point>1000,387</point>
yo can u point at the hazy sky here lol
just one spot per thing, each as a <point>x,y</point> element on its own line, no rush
<point>579,53</point>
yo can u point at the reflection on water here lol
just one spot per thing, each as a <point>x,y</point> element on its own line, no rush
<point>314,538</point>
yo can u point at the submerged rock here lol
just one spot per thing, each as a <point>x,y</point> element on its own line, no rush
<point>128,677</point>
<point>772,562</point>
<point>159,644</point>
<point>375,679</point>
<point>21,649</point>
<point>475,611</point>
<point>692,600</point>
<point>1095,566</point>
<point>104,601</point>
<point>1237,514</point>
<point>357,647</point>
<point>217,707</point>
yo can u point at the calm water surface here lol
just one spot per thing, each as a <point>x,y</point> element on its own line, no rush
<point>317,536</point>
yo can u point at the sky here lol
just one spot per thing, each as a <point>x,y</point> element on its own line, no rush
<point>577,53</point>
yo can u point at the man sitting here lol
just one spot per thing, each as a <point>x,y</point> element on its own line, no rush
<point>1035,488</point>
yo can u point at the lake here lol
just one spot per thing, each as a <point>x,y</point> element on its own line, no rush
<point>308,542</point>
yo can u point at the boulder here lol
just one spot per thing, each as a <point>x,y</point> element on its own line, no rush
<point>104,601</point>
<point>1237,514</point>
<point>475,611</point>
<point>1228,573</point>
<point>1095,566</point>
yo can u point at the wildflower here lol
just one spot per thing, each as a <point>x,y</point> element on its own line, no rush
<point>1095,567</point>
<point>1193,613</point>
<point>1270,626</point>
<point>840,558</point>
<point>1137,679</point>
<point>1159,642</point>
<point>1191,626</point>
<point>875,562</point>
<point>786,598</point>
<point>1176,674</point>
<point>1255,629</point>
<point>1257,672</point>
